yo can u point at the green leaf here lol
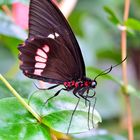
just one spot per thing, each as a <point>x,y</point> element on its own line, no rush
<point>21,86</point>
<point>60,121</point>
<point>93,72</point>
<point>133,24</point>
<point>17,123</point>
<point>9,2</point>
<point>8,28</point>
<point>111,15</point>
<point>57,113</point>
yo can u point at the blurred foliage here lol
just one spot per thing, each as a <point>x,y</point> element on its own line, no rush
<point>99,40</point>
<point>112,17</point>
<point>9,2</point>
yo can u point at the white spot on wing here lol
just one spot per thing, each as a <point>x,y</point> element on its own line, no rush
<point>56,34</point>
<point>40,65</point>
<point>38,72</point>
<point>40,59</point>
<point>51,36</point>
<point>41,53</point>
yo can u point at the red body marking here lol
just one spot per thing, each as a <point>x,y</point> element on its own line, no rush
<point>86,83</point>
<point>76,84</point>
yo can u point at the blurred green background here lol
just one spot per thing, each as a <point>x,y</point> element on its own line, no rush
<point>99,40</point>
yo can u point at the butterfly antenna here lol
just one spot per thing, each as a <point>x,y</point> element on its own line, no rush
<point>106,71</point>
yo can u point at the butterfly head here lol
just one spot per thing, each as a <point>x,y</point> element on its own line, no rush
<point>93,83</point>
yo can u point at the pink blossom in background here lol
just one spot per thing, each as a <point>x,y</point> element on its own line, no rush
<point>20,14</point>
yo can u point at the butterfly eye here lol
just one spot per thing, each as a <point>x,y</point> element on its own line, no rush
<point>93,84</point>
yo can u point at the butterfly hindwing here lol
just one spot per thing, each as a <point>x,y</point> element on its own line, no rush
<point>47,26</point>
<point>47,58</point>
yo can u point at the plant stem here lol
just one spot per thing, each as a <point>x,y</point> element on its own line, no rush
<point>124,72</point>
<point>7,10</point>
<point>21,100</point>
<point>54,137</point>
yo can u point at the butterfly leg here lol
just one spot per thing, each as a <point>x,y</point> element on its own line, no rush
<point>89,96</point>
<point>86,97</point>
<point>73,112</point>
<point>81,94</point>
<point>92,96</point>
<point>41,89</point>
<point>55,94</point>
<point>86,100</point>
<point>93,111</point>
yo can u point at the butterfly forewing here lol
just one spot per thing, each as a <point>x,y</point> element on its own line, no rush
<point>51,51</point>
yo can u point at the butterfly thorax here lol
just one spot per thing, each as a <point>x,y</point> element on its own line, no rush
<point>81,83</point>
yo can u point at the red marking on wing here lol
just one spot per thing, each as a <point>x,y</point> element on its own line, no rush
<point>38,72</point>
<point>41,53</point>
<point>40,59</point>
<point>46,48</point>
<point>40,65</point>
<point>26,71</point>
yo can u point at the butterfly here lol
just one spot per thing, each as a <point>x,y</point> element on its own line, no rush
<point>52,54</point>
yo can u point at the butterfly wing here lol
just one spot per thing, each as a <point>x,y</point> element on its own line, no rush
<point>48,60</point>
<point>46,19</point>
<point>47,26</point>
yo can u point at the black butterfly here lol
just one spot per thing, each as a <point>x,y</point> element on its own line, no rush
<point>52,54</point>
